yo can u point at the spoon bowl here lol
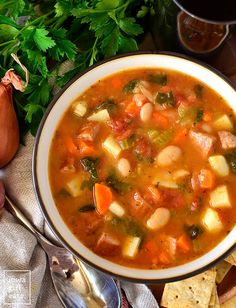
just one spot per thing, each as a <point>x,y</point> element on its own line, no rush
<point>77,284</point>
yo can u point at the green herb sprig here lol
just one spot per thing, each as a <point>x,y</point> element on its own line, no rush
<point>56,39</point>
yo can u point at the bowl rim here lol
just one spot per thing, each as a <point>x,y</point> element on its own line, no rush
<point>36,183</point>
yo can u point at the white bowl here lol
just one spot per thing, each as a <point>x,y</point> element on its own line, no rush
<point>53,115</point>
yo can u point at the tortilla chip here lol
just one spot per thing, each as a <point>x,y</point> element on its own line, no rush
<point>230,303</point>
<point>221,270</point>
<point>192,292</point>
<point>217,303</point>
<point>213,297</point>
<point>214,301</point>
<point>232,258</point>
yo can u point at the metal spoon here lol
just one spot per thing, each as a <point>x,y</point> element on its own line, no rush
<point>77,285</point>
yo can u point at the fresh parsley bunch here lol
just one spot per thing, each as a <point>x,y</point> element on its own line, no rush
<point>56,39</point>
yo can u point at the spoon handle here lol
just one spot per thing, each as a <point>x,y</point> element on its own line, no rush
<point>21,217</point>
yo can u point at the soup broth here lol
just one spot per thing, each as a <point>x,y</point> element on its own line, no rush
<point>142,168</point>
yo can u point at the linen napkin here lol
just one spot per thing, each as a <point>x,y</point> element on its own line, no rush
<point>24,272</point>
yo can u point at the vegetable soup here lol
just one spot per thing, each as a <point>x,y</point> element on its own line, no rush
<point>143,168</point>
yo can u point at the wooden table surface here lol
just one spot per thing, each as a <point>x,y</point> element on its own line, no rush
<point>225,61</point>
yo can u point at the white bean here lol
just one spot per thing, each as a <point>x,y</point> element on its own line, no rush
<point>159,218</point>
<point>146,112</point>
<point>124,166</point>
<point>169,155</point>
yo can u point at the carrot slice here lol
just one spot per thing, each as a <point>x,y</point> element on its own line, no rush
<point>207,116</point>
<point>184,243</point>
<point>103,198</point>
<point>70,146</point>
<point>180,136</point>
<point>206,179</point>
<point>161,120</point>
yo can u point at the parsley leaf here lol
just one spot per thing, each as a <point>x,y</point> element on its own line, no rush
<point>7,32</point>
<point>31,109</point>
<point>12,8</point>
<point>43,41</point>
<point>48,35</point>
<point>129,26</point>
<point>110,44</point>
<point>63,47</point>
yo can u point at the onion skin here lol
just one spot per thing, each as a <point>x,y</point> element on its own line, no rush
<point>9,129</point>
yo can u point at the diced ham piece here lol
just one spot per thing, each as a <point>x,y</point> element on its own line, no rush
<point>172,198</point>
<point>89,131</point>
<point>92,221</point>
<point>140,208</point>
<point>107,245</point>
<point>203,142</point>
<point>227,139</point>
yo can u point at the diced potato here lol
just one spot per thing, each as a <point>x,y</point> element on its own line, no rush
<point>79,108</point>
<point>219,197</point>
<point>219,165</point>
<point>73,187</point>
<point>211,221</point>
<point>112,146</point>
<point>223,123</point>
<point>131,246</point>
<point>100,116</point>
<point>180,174</point>
<point>116,209</point>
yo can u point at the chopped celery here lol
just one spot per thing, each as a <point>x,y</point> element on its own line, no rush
<point>153,134</point>
<point>127,143</point>
<point>124,144</point>
<point>183,111</point>
<point>187,114</point>
<point>160,138</point>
